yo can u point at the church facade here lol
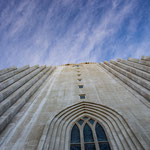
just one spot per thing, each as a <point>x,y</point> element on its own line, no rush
<point>86,106</point>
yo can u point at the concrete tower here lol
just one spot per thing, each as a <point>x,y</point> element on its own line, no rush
<point>76,106</point>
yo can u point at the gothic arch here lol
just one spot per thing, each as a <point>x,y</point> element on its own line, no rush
<point>56,135</point>
<point>87,133</point>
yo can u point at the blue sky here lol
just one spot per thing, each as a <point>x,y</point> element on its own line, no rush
<point>55,32</point>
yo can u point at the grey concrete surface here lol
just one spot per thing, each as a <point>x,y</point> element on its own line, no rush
<point>24,124</point>
<point>3,71</point>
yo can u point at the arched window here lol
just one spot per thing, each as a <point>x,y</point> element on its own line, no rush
<point>88,134</point>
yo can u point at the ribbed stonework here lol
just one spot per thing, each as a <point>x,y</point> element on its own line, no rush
<point>40,105</point>
<point>16,87</point>
<point>133,72</point>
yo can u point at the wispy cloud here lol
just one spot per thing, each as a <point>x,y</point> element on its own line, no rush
<point>66,31</point>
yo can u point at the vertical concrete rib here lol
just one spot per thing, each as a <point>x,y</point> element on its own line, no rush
<point>135,65</point>
<point>137,79</point>
<point>133,70</point>
<point>18,93</point>
<point>8,91</point>
<point>3,71</point>
<point>143,62</point>
<point>29,89</point>
<point>15,78</point>
<point>142,91</point>
<point>12,73</point>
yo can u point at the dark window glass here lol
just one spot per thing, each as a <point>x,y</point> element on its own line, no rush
<point>89,142</point>
<point>104,146</point>
<point>75,147</point>
<point>88,136</point>
<point>82,96</point>
<point>91,121</point>
<point>75,134</point>
<point>90,146</point>
<point>101,136</point>
<point>80,122</point>
<point>80,86</point>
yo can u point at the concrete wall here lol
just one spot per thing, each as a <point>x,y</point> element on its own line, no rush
<point>104,84</point>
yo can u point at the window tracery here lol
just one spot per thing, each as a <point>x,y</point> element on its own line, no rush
<point>88,134</point>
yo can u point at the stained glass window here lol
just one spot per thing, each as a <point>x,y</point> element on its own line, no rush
<point>104,146</point>
<point>100,133</point>
<point>75,147</point>
<point>90,146</point>
<point>75,134</point>
<point>90,130</point>
<point>91,121</point>
<point>80,122</point>
<point>88,136</point>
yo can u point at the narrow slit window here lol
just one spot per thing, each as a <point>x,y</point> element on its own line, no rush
<point>82,96</point>
<point>80,86</point>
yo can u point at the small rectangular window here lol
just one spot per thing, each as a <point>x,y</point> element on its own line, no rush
<point>80,86</point>
<point>79,79</point>
<point>78,74</point>
<point>82,96</point>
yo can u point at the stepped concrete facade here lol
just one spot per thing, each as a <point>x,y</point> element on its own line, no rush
<point>40,105</point>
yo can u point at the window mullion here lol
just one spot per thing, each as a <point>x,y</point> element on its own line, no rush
<point>82,137</point>
<point>95,137</point>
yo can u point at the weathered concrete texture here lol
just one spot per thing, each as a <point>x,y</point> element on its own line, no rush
<point>8,91</point>
<point>128,74</point>
<point>140,61</point>
<point>136,65</point>
<point>4,71</point>
<point>51,109</point>
<point>133,70</point>
<point>133,73</point>
<point>12,73</point>
<point>17,77</point>
<point>17,94</point>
